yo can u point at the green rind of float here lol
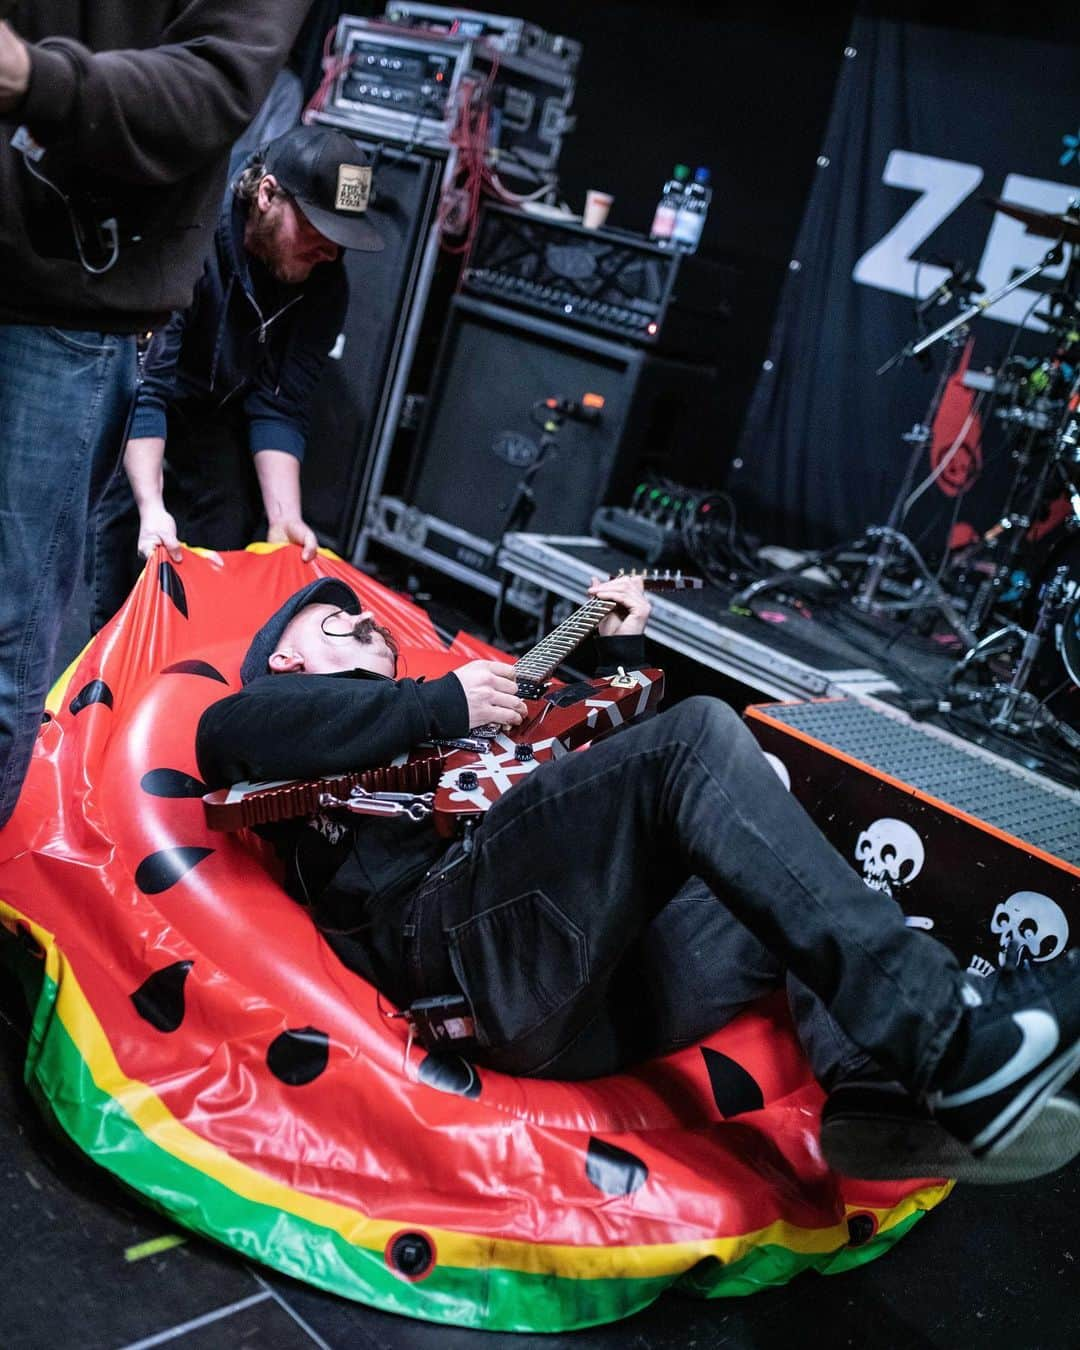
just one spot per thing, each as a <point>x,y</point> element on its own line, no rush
<point>489,1298</point>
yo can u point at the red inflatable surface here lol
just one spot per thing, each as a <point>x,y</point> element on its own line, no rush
<point>194,1034</point>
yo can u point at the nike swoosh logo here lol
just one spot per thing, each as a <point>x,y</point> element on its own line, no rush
<point>1039,1039</point>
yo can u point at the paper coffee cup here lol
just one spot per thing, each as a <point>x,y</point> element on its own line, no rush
<point>597,206</point>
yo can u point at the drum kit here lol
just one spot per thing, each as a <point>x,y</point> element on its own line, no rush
<point>1013,596</point>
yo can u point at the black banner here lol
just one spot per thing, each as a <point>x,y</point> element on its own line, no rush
<point>926,124</point>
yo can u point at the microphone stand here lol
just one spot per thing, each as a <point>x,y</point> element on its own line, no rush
<point>554,411</point>
<point>1053,256</point>
<point>918,438</point>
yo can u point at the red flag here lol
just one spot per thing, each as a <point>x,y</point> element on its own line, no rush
<point>956,449</point>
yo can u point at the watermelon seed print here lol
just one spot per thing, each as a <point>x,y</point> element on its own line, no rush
<point>97,691</point>
<point>613,1170</point>
<point>193,667</point>
<point>158,871</point>
<point>734,1090</point>
<point>173,587</point>
<point>299,1056</point>
<point>450,1073</point>
<point>171,783</point>
<point>159,1000</point>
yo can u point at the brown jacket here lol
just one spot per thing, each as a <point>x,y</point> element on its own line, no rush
<point>136,103</point>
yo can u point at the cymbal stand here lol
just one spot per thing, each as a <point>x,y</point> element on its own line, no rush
<point>918,438</point>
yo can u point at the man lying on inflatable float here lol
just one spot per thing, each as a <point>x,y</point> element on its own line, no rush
<point>522,945</point>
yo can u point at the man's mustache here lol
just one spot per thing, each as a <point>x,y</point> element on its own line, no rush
<point>363,629</point>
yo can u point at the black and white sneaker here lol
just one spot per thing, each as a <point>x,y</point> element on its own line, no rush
<point>879,1132</point>
<point>994,1112</point>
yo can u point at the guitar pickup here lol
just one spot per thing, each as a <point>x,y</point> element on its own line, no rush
<point>569,694</point>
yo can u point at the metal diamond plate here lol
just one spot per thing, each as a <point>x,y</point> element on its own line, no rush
<point>1039,813</point>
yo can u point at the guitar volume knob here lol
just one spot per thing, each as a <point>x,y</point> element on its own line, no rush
<point>467,780</point>
<point>523,753</point>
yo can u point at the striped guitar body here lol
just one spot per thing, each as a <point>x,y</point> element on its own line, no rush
<point>458,782</point>
<point>565,717</point>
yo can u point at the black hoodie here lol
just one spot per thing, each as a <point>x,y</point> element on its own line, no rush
<point>356,873</point>
<point>136,104</point>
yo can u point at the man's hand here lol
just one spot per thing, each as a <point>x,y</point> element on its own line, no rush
<point>156,526</point>
<point>491,692</point>
<point>294,531</point>
<point>14,69</point>
<point>279,482</point>
<point>632,606</point>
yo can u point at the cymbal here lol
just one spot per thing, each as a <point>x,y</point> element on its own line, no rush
<point>1042,223</point>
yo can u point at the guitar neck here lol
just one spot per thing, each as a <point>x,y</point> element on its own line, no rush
<point>548,655</point>
<point>550,652</point>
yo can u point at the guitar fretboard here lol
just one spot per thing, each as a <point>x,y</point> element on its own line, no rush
<point>548,654</point>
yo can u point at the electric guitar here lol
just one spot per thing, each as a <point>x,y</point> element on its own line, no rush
<point>459,780</point>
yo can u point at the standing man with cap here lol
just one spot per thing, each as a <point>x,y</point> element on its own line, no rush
<point>222,409</point>
<point>115,127</point>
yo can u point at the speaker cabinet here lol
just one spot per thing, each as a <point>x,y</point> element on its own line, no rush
<point>480,437</point>
<point>350,405</point>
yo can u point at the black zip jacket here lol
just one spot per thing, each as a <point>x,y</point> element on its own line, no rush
<point>354,872</point>
<point>136,103</point>
<point>247,340</point>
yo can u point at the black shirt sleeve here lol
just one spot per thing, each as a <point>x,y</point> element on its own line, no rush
<point>311,726</point>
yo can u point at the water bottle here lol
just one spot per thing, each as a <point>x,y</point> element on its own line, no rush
<point>690,217</point>
<point>663,224</point>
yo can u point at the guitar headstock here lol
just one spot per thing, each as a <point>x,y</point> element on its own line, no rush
<point>666,580</point>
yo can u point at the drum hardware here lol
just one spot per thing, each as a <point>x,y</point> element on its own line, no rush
<point>954,330</point>
<point>1051,258</point>
<point>989,382</point>
<point>1004,698</point>
<point>919,438</point>
<point>1028,494</point>
<point>1065,228</point>
<point>1034,418</point>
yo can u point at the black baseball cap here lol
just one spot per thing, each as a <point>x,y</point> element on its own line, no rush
<point>324,591</point>
<point>330,178</point>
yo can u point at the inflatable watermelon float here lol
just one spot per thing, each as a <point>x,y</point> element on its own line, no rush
<point>193,1034</point>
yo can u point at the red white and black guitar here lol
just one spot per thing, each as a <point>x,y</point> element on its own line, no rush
<point>458,781</point>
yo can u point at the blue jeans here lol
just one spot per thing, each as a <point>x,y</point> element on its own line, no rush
<point>64,402</point>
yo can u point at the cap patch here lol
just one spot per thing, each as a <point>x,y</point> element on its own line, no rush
<point>353,187</point>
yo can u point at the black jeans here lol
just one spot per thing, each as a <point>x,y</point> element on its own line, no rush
<point>211,490</point>
<point>556,925</point>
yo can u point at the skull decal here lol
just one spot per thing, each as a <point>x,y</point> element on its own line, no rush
<point>1029,927</point>
<point>891,854</point>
